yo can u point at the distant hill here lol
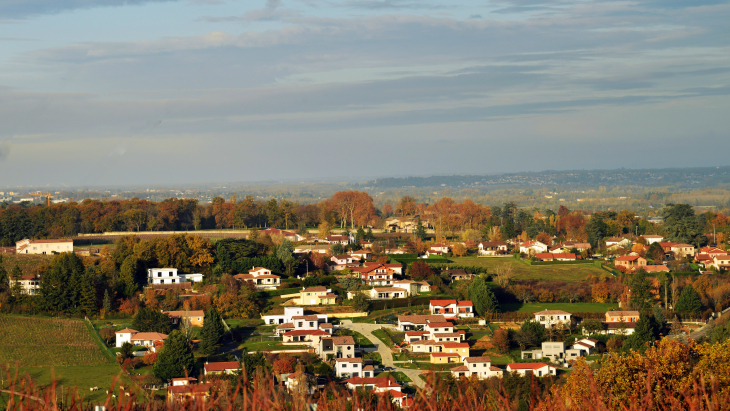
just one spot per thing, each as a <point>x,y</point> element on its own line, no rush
<point>678,177</point>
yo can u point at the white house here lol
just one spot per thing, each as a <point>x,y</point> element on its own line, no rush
<point>413,287</point>
<point>615,242</point>
<point>383,293</point>
<point>134,337</point>
<point>537,369</point>
<point>374,274</point>
<point>651,239</point>
<point>452,308</point>
<point>293,237</point>
<point>362,254</point>
<point>492,248</point>
<point>349,367</point>
<point>336,347</point>
<point>224,367</point>
<point>439,248</point>
<point>550,318</point>
<point>533,247</point>
<point>294,319</point>
<point>481,367</point>
<point>29,284</point>
<point>261,278</point>
<point>27,246</point>
<point>171,276</point>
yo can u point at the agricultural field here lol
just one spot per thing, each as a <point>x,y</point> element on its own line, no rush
<point>28,263</point>
<point>44,342</point>
<point>573,272</point>
<point>47,349</point>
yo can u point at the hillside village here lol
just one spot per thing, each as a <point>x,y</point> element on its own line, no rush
<point>381,310</point>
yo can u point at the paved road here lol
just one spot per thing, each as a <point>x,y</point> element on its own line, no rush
<point>385,353</point>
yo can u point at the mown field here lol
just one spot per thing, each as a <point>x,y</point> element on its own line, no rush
<point>47,349</point>
<point>532,272</point>
<point>569,307</point>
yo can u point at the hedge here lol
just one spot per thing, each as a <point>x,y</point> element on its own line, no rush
<point>278,292</point>
<point>560,262</point>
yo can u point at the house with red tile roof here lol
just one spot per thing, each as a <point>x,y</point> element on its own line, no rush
<point>29,284</point>
<point>336,347</point>
<point>533,247</point>
<point>556,256</point>
<point>374,274</point>
<point>630,262</point>
<point>134,337</point>
<point>349,367</point>
<point>185,393</point>
<point>452,308</point>
<point>418,322</point>
<point>293,237</point>
<point>261,278</point>
<point>304,337</point>
<point>480,367</point>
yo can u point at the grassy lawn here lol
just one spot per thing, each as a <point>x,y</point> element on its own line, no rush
<point>377,359</point>
<point>381,315</point>
<point>360,339</point>
<point>81,377</point>
<point>399,376</point>
<point>500,359</point>
<point>383,337</point>
<point>537,272</point>
<point>425,365</point>
<point>268,346</point>
<point>569,307</point>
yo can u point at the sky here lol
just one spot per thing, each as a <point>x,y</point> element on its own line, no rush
<point>106,92</point>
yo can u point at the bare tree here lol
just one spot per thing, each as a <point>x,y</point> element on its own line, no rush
<point>503,275</point>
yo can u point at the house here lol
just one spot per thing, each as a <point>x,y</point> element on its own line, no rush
<point>625,316</point>
<point>459,274</point>
<point>293,237</point>
<point>375,384</point>
<point>304,337</point>
<point>444,358</point>
<point>619,328</point>
<point>492,248</point>
<point>630,262</point>
<point>418,322</point>
<point>362,254</point>
<point>27,246</point>
<point>721,262</point>
<point>413,287</point>
<point>682,250</point>
<point>555,256</point>
<point>184,381</point>
<point>171,276</point>
<point>667,246</point>
<point>349,367</point>
<point>195,318</point>
<point>533,247</point>
<point>712,251</point>
<point>300,382</point>
<point>342,261</point>
<point>550,318</point>
<point>374,274</point>
<point>569,245</point>
<point>316,296</point>
<point>460,348</point>
<point>366,244</point>
<point>656,268</point>
<point>134,337</point>
<point>439,248</point>
<point>294,318</point>
<point>29,284</point>
<point>218,368</point>
<point>537,369</point>
<point>184,393</point>
<point>386,293</point>
<point>651,239</point>
<point>582,348</point>
<point>615,242</point>
<point>481,367</point>
<point>553,350</point>
<point>339,239</point>
<point>705,260</point>
<point>336,347</point>
<point>452,308</point>
<point>261,278</point>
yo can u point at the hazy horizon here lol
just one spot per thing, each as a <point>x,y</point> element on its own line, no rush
<point>118,92</point>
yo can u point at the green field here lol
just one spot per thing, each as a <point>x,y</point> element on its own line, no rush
<point>532,272</point>
<point>569,307</point>
<point>45,349</point>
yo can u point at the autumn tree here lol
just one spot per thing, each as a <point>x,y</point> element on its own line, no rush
<point>600,292</point>
<point>420,271</point>
<point>501,340</point>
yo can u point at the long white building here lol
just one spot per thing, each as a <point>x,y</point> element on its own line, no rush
<point>171,276</point>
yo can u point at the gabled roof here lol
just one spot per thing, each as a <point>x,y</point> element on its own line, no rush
<point>628,258</point>
<point>127,331</point>
<point>442,303</point>
<point>623,313</point>
<point>314,289</point>
<point>350,360</point>
<point>148,336</point>
<point>455,345</point>
<point>342,340</point>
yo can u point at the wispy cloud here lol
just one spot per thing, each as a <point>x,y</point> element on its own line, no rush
<point>26,8</point>
<point>272,11</point>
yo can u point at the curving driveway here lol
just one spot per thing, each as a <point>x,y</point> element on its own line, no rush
<point>385,353</point>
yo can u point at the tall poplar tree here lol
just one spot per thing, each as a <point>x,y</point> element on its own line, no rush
<point>211,333</point>
<point>176,358</point>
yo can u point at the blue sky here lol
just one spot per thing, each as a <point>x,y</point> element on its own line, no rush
<point>134,91</point>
